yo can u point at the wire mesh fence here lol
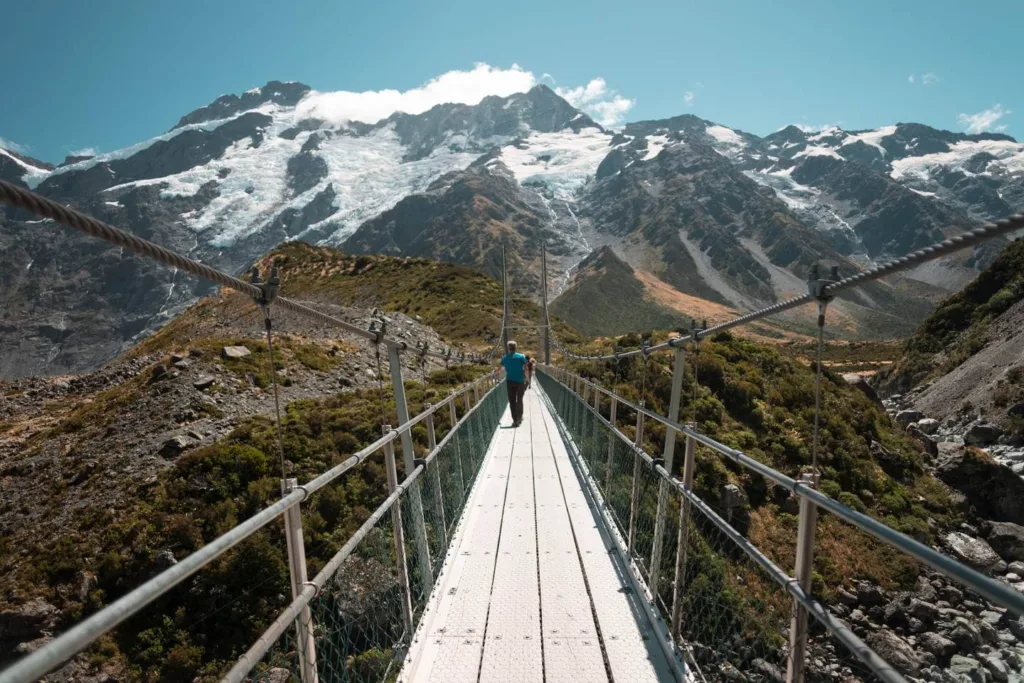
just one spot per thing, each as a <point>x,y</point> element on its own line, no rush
<point>360,632</point>
<point>731,616</point>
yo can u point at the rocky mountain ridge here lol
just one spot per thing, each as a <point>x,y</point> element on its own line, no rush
<point>715,213</point>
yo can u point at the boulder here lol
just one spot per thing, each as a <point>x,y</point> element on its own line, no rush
<point>936,644</point>
<point>906,417</point>
<point>861,384</point>
<point>1007,539</point>
<point>768,670</point>
<point>991,618</point>
<point>895,651</point>
<point>972,551</point>
<point>158,373</point>
<point>733,497</point>
<point>925,611</point>
<point>846,597</point>
<point>965,666</point>
<point>931,446</point>
<point>235,352</point>
<point>175,445</point>
<point>997,668</point>
<point>1017,568</point>
<point>928,425</point>
<point>965,635</point>
<point>1016,410</point>
<point>183,364</point>
<point>276,675</point>
<point>28,621</point>
<point>204,382</point>
<point>993,490</point>
<point>869,595</point>
<point>195,353</point>
<point>982,433</point>
<point>165,559</point>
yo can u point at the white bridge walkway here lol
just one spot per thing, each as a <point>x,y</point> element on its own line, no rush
<point>531,590</point>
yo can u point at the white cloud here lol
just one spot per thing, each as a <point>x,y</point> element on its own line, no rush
<point>13,146</point>
<point>464,87</point>
<point>689,97</point>
<point>84,152</point>
<point>596,99</point>
<point>929,79</point>
<point>984,121</point>
<point>910,78</point>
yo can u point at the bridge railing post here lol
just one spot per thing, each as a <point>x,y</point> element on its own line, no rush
<point>668,455</point>
<point>439,498</point>
<point>408,461</point>
<point>399,534</point>
<point>804,568</point>
<point>453,415</point>
<point>611,446</point>
<point>305,644</point>
<point>634,496</point>
<point>683,539</point>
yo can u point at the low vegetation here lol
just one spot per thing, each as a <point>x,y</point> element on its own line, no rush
<point>207,621</point>
<point>756,398</point>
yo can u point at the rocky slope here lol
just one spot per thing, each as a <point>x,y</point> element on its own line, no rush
<point>108,477</point>
<point>968,353</point>
<point>593,295</point>
<point>229,182</point>
<point>715,213</point>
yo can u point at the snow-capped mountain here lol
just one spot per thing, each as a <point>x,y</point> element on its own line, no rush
<point>713,212</point>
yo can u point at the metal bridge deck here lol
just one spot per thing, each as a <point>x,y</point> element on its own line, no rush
<point>530,591</point>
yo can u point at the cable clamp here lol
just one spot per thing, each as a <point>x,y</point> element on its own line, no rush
<point>268,289</point>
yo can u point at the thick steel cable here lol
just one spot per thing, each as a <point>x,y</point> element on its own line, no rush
<point>47,208</point>
<point>970,238</point>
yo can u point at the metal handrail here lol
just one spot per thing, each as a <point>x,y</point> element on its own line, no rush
<point>834,625</point>
<point>829,288</point>
<point>290,613</point>
<point>992,590</point>
<point>80,636</point>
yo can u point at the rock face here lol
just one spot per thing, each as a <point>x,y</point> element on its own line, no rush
<point>982,434</point>
<point>235,352</point>
<point>1007,539</point>
<point>861,384</point>
<point>994,490</point>
<point>906,417</point>
<point>895,650</point>
<point>26,622</point>
<point>972,551</point>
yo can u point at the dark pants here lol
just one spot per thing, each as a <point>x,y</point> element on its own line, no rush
<point>515,399</point>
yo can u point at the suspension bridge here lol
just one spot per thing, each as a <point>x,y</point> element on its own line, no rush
<point>558,551</point>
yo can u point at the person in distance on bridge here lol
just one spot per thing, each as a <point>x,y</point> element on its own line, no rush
<point>515,381</point>
<point>529,371</point>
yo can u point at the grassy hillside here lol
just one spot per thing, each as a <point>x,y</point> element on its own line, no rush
<point>755,398</point>
<point>605,297</point>
<point>959,327</point>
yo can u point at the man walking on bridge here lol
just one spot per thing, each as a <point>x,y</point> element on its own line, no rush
<point>515,381</point>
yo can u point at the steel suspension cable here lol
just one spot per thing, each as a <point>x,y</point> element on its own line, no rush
<point>47,208</point>
<point>971,238</point>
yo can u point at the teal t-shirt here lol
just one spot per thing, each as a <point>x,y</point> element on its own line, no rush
<point>514,364</point>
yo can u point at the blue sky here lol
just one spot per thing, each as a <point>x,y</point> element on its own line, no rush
<point>104,74</point>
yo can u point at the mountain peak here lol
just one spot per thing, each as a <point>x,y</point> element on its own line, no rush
<point>286,93</point>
